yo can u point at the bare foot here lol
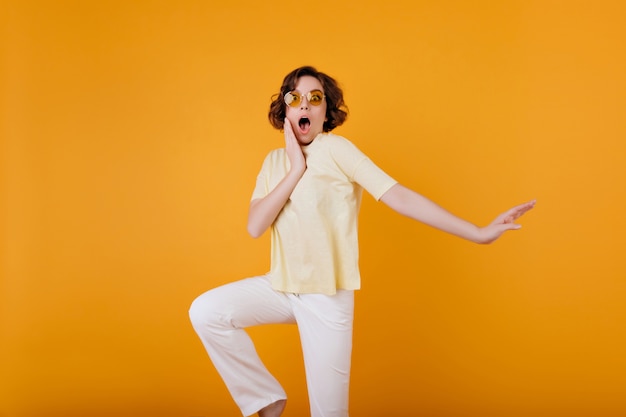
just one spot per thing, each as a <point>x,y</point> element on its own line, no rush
<point>273,410</point>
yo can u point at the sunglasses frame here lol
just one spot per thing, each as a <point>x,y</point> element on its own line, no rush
<point>294,98</point>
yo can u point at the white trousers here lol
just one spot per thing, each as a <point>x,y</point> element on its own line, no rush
<point>220,316</point>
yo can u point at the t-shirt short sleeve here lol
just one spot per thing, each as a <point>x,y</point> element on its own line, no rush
<point>261,188</point>
<point>361,169</point>
<point>373,179</point>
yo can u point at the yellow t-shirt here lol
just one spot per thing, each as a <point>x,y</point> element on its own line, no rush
<point>314,238</point>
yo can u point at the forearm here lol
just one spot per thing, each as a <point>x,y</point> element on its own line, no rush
<point>263,211</point>
<point>413,205</point>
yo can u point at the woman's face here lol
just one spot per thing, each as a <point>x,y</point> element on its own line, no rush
<point>307,119</point>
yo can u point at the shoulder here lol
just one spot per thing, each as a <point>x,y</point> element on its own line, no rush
<point>275,155</point>
<point>274,160</point>
<point>339,145</point>
<point>331,138</point>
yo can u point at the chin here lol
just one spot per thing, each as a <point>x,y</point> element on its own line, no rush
<point>308,138</point>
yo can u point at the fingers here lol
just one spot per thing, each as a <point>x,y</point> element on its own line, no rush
<point>518,211</point>
<point>294,151</point>
<point>288,130</point>
<point>523,208</point>
<point>509,216</point>
<point>513,226</point>
<point>291,142</point>
<point>287,125</point>
<point>290,138</point>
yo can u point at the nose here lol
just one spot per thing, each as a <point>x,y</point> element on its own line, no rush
<point>303,99</point>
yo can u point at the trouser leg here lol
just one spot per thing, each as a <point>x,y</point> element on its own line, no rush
<point>325,326</point>
<point>219,317</point>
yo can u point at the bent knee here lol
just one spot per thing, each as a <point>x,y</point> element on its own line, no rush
<point>205,310</point>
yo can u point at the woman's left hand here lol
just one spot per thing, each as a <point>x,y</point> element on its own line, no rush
<point>505,222</point>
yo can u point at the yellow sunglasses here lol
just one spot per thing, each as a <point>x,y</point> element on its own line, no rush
<point>293,98</point>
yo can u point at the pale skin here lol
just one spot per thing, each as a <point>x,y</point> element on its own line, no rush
<point>263,211</point>
<point>273,410</point>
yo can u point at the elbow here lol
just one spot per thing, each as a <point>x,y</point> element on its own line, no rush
<point>252,231</point>
<point>255,235</point>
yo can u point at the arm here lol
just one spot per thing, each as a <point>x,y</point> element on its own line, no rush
<point>413,205</point>
<point>263,211</point>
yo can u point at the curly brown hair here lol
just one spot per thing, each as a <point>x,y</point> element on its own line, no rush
<point>336,109</point>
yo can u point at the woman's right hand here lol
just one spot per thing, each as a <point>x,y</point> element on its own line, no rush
<point>263,211</point>
<point>294,151</point>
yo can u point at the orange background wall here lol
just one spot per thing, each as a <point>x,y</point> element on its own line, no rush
<point>131,136</point>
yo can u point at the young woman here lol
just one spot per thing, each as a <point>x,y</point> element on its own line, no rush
<point>308,194</point>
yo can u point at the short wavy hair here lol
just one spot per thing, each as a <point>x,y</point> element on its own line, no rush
<point>336,109</point>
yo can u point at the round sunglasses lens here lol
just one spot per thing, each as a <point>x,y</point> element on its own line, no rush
<point>315,97</point>
<point>292,99</point>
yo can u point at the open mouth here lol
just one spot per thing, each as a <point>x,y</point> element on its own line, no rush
<point>304,124</point>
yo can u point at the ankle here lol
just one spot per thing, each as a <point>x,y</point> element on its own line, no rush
<point>275,409</point>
